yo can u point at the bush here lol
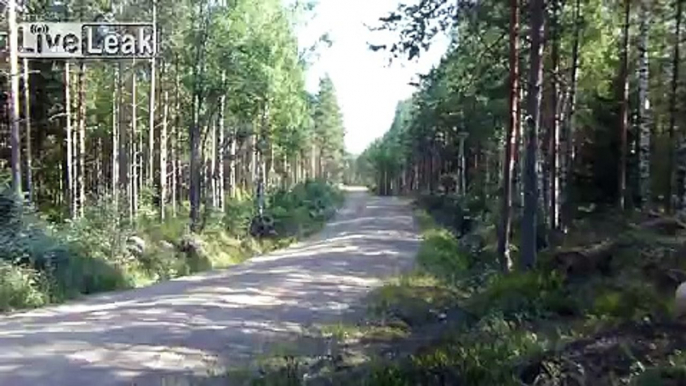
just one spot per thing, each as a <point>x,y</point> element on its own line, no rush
<point>237,215</point>
<point>632,301</point>
<point>307,205</point>
<point>21,287</point>
<point>441,255</point>
<point>528,294</point>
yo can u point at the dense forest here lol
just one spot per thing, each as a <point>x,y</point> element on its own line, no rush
<point>581,108</point>
<point>116,170</point>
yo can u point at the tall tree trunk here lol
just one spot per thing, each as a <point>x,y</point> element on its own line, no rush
<point>554,146</point>
<point>220,156</point>
<point>99,175</point>
<point>212,171</point>
<point>194,135</point>
<point>262,142</point>
<point>124,201</point>
<point>15,138</point>
<point>195,128</point>
<point>70,140</point>
<point>624,111</point>
<point>567,135</point>
<point>27,128</point>
<point>681,154</point>
<point>136,148</point>
<point>163,155</point>
<point>176,142</point>
<point>644,107</point>
<point>173,150</point>
<point>82,137</point>
<point>232,164</point>
<point>115,135</point>
<point>250,162</point>
<point>151,107</point>
<point>313,162</point>
<point>518,175</point>
<point>529,219</point>
<point>220,166</point>
<point>510,144</point>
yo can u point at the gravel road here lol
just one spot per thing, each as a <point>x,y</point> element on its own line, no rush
<point>219,318</point>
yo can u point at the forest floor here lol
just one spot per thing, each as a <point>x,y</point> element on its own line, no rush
<point>183,329</point>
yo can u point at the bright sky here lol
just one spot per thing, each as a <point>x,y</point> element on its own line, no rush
<point>367,88</point>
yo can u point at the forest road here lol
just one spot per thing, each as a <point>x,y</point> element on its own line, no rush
<point>174,329</point>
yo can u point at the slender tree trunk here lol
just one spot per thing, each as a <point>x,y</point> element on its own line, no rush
<point>195,128</point>
<point>529,220</point>
<point>518,175</point>
<point>313,162</point>
<point>681,154</point>
<point>195,171</point>
<point>212,171</point>
<point>222,182</point>
<point>462,168</point>
<point>123,149</point>
<point>510,144</point>
<point>70,140</point>
<point>136,148</point>
<point>151,108</point>
<point>163,155</point>
<point>99,174</point>
<point>115,135</point>
<point>176,140</point>
<point>250,162</point>
<point>220,166</point>
<point>644,107</point>
<point>232,164</point>
<point>568,132</point>
<point>15,138</point>
<point>27,128</point>
<point>173,150</point>
<point>82,138</point>
<point>554,147</point>
<point>624,111</point>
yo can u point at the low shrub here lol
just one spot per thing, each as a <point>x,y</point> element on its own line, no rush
<point>530,294</point>
<point>21,287</point>
<point>440,254</point>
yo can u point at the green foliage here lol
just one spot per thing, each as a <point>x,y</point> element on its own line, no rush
<point>528,294</point>
<point>441,254</point>
<point>238,213</point>
<point>484,354</point>
<point>631,301</point>
<point>21,287</point>
<point>293,211</point>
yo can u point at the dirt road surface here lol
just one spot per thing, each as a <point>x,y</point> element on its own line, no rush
<point>219,318</point>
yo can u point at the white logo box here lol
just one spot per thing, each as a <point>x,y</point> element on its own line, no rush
<point>86,40</point>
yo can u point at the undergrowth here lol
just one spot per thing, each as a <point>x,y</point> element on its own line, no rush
<point>43,262</point>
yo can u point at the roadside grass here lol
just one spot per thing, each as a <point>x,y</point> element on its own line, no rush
<point>42,262</point>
